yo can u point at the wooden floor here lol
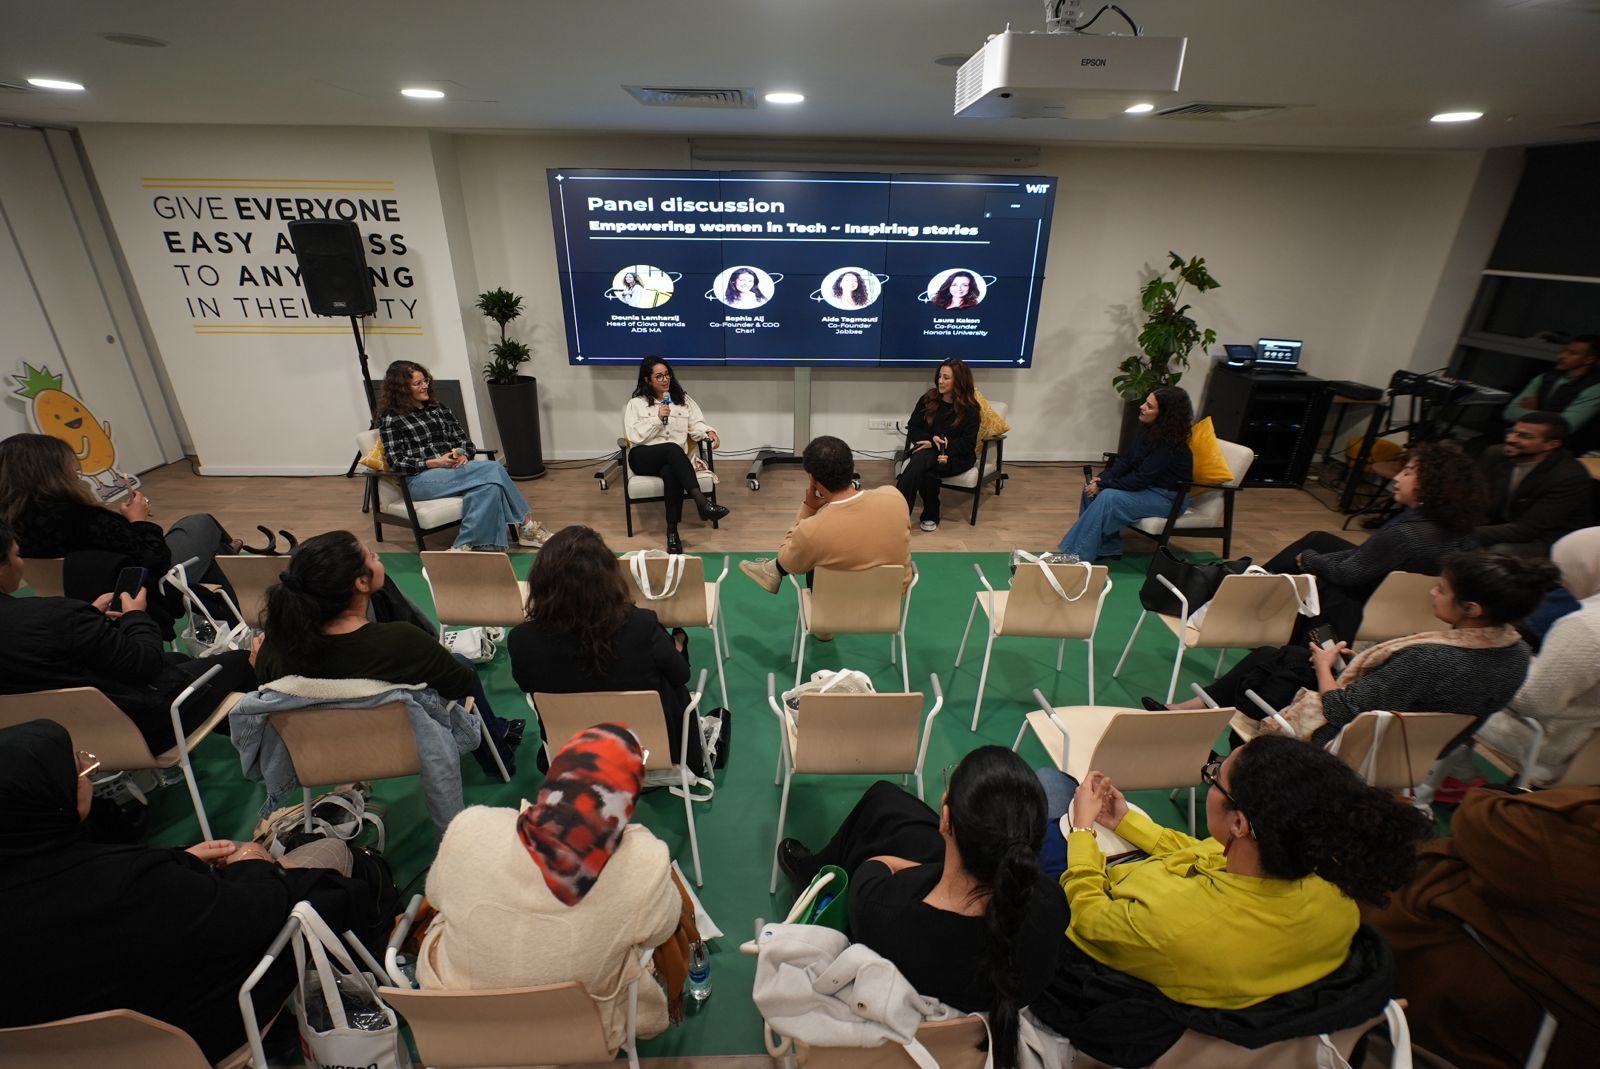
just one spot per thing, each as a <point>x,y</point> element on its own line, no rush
<point>1039,503</point>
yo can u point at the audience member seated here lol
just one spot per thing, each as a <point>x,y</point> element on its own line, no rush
<point>54,514</point>
<point>423,443</point>
<point>1571,389</point>
<point>318,623</point>
<point>1578,557</point>
<point>837,526</point>
<point>954,899</point>
<point>1442,499</point>
<point>566,889</point>
<point>1523,871</point>
<point>941,438</point>
<point>660,421</point>
<point>52,643</point>
<point>1248,920</point>
<point>166,932</point>
<point>1537,490</point>
<point>1138,484</point>
<point>584,633</point>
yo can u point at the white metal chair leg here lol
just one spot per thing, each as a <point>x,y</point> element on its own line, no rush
<point>721,678</point>
<point>1089,656</point>
<point>1177,666</point>
<point>783,813</point>
<point>777,772</point>
<point>494,751</point>
<point>905,660</point>
<point>1220,654</point>
<point>800,660</point>
<point>1061,654</point>
<point>962,649</point>
<point>688,815</point>
<point>1541,1042</point>
<point>1136,625</point>
<point>194,791</point>
<point>983,679</point>
<point>1021,731</point>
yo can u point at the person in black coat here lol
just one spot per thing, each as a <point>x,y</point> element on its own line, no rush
<point>62,642</point>
<point>585,634</point>
<point>1537,490</point>
<point>941,438</point>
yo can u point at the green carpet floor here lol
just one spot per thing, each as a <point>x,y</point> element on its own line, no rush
<point>737,828</point>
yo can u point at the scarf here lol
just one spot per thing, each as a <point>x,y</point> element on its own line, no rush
<point>586,801</point>
<point>1578,557</point>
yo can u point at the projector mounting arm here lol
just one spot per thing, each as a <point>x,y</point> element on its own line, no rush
<point>1066,16</point>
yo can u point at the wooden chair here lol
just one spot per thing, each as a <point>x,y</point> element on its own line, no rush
<point>959,1043</point>
<point>389,498</point>
<point>640,489</point>
<point>1032,607</point>
<point>251,577</point>
<point>119,1038</point>
<point>694,602</point>
<point>869,602</point>
<point>1206,510</point>
<point>973,479</point>
<point>1402,605</point>
<point>1139,749</point>
<point>1395,751</point>
<point>98,726</point>
<point>1196,1050</point>
<point>1582,771</point>
<point>44,576</point>
<point>564,715</point>
<point>1247,611</point>
<point>474,589</point>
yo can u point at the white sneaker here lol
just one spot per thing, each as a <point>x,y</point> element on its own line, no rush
<point>929,525</point>
<point>532,534</point>
<point>763,570</point>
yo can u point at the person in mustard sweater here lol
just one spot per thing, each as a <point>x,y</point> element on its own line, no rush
<point>1267,903</point>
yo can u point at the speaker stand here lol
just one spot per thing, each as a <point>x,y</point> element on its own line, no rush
<point>372,407</point>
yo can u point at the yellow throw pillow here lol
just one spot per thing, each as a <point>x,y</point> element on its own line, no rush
<point>1209,465</point>
<point>377,459</point>
<point>990,425</point>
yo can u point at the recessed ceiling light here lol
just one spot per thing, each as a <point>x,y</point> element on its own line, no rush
<point>1456,116</point>
<point>785,98</point>
<point>1138,109</point>
<point>952,59</point>
<point>422,94</point>
<point>134,40</point>
<point>55,83</point>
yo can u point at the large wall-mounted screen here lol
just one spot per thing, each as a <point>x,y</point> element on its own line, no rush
<point>800,268</point>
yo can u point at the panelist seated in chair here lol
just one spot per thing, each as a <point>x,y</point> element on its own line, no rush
<point>1140,483</point>
<point>1441,497</point>
<point>52,643</point>
<point>564,889</point>
<point>585,634</point>
<point>1263,907</point>
<point>162,931</point>
<point>320,622</point>
<point>941,438</point>
<point>660,421</point>
<point>425,445</point>
<point>954,899</point>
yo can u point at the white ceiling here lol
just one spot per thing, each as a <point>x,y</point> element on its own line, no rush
<point>1359,73</point>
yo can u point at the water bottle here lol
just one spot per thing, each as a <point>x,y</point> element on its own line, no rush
<point>699,972</point>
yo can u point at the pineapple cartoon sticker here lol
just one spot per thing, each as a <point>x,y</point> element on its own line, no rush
<point>59,414</point>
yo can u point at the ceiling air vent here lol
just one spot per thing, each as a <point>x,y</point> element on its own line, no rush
<point>680,96</point>
<point>1208,111</point>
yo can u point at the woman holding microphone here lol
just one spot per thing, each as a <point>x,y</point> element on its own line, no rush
<point>660,421</point>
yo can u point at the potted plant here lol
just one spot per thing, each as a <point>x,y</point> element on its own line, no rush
<point>1167,338</point>
<point>514,397</point>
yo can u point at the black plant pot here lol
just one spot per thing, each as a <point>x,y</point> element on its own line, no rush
<point>1130,424</point>
<point>516,414</point>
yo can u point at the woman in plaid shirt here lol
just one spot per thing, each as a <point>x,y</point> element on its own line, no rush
<point>424,443</point>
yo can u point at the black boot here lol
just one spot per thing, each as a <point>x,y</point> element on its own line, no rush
<point>674,542</point>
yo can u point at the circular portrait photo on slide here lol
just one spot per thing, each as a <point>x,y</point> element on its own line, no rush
<point>642,286</point>
<point>744,287</point>
<point>850,289</point>
<point>955,289</point>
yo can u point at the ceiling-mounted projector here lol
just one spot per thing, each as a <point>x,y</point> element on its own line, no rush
<point>1067,75</point>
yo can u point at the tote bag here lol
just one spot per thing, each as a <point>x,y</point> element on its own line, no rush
<point>1197,582</point>
<point>342,1020</point>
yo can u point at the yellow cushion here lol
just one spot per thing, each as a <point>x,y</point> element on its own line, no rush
<point>376,458</point>
<point>990,425</point>
<point>1209,466</point>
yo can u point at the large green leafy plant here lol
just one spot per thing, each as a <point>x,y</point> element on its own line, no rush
<point>503,306</point>
<point>1169,334</point>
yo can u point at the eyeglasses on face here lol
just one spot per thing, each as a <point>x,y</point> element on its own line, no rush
<point>1211,776</point>
<point>88,764</point>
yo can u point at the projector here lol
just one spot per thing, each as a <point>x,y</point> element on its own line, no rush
<point>1067,75</point>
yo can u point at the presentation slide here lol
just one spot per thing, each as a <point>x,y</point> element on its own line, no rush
<point>800,268</point>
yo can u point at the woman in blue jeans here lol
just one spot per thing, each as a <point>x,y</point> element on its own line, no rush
<point>424,443</point>
<point>1139,483</point>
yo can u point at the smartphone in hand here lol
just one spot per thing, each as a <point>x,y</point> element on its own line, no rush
<point>129,581</point>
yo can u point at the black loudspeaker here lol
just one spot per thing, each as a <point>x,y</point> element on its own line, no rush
<point>333,267</point>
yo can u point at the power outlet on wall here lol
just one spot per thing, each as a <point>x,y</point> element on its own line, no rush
<point>880,424</point>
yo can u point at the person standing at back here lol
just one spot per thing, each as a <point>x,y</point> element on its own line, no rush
<point>1571,389</point>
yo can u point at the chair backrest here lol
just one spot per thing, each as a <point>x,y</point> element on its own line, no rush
<point>1584,771</point>
<point>1401,606</point>
<point>1196,1050</point>
<point>1034,607</point>
<point>1394,751</point>
<point>686,607</point>
<point>120,1038</point>
<point>94,723</point>
<point>251,576</point>
<point>955,1044</point>
<point>855,603</point>
<point>388,487</point>
<point>858,733</point>
<point>555,1024</point>
<point>1239,458</point>
<point>331,745</point>
<point>1145,750</point>
<point>44,576</point>
<point>1253,610</point>
<point>473,589</point>
<point>564,715</point>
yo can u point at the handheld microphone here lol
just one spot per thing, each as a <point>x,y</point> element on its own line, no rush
<point>666,398</point>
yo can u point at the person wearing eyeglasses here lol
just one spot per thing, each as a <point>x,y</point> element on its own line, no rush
<point>661,422</point>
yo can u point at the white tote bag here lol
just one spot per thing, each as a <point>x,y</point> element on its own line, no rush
<point>641,572</point>
<point>351,1026</point>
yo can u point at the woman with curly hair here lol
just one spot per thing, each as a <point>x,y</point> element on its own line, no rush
<point>1442,498</point>
<point>663,424</point>
<point>958,290</point>
<point>424,444</point>
<point>941,438</point>
<point>850,290</point>
<point>1140,483</point>
<point>584,633</point>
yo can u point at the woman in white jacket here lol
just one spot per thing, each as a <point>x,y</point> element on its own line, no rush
<point>659,422</point>
<point>564,889</point>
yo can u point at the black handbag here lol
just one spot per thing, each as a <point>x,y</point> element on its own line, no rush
<point>1197,582</point>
